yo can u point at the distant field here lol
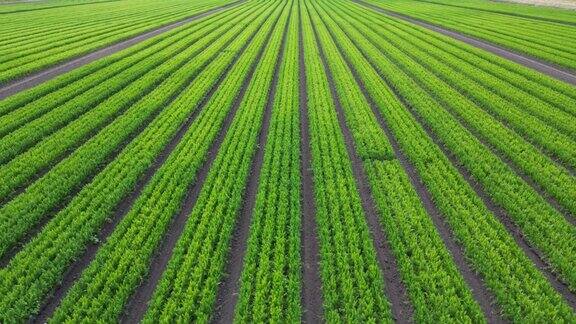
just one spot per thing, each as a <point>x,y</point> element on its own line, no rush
<point>287,161</point>
<point>566,4</point>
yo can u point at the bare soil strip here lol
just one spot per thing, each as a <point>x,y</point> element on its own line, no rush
<point>395,290</point>
<point>228,291</point>
<point>312,310</point>
<point>527,61</point>
<point>126,204</point>
<point>138,304</point>
<point>482,295</point>
<point>52,72</point>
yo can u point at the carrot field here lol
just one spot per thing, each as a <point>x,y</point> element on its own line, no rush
<point>285,161</point>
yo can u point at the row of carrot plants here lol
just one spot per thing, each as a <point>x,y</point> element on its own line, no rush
<point>99,94</point>
<point>188,288</point>
<point>352,282</point>
<point>46,44</point>
<point>270,283</point>
<point>22,65</point>
<point>524,104</point>
<point>532,37</point>
<point>531,29</point>
<point>548,127</point>
<point>19,215</point>
<point>507,86</point>
<point>114,274</point>
<point>26,6</point>
<point>39,40</point>
<point>521,290</point>
<point>544,227</point>
<point>65,237</point>
<point>555,179</point>
<point>548,91</point>
<point>56,91</point>
<point>63,20</point>
<point>24,167</point>
<point>436,288</point>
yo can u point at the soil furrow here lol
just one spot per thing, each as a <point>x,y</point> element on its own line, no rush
<point>52,72</point>
<point>481,294</point>
<point>229,288</point>
<point>126,204</point>
<point>311,283</point>
<point>395,290</point>
<point>137,306</point>
<point>527,61</point>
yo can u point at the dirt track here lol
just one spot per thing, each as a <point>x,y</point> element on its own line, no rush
<point>535,64</point>
<point>52,72</point>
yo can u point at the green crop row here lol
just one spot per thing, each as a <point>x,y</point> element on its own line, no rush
<point>61,46</point>
<point>528,36</point>
<point>100,95</point>
<point>436,288</point>
<point>548,91</point>
<point>114,273</point>
<point>555,179</point>
<point>17,60</point>
<point>530,29</point>
<point>58,90</point>
<point>9,6</point>
<point>543,226</point>
<point>78,17</point>
<point>47,45</point>
<point>520,289</point>
<point>22,213</point>
<point>32,103</point>
<point>270,284</point>
<point>547,126</point>
<point>519,101</point>
<point>113,24</point>
<point>65,237</point>
<point>188,287</point>
<point>50,149</point>
<point>352,283</point>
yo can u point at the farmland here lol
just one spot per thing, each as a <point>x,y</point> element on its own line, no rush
<point>287,161</point>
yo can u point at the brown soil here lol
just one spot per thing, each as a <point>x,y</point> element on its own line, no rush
<point>311,282</point>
